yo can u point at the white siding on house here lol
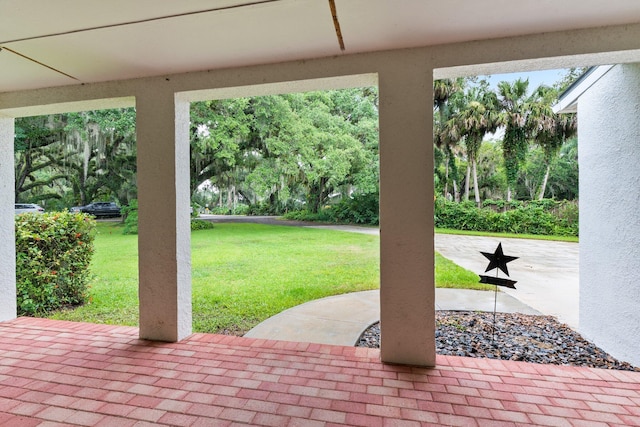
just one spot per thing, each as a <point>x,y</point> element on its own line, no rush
<point>609,146</point>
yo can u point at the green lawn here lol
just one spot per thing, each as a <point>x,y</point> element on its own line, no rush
<point>244,273</point>
<point>451,275</point>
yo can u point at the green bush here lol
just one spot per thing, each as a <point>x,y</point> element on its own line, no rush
<point>462,216</point>
<point>240,209</point>
<point>273,208</point>
<point>305,215</point>
<point>130,214</point>
<point>199,224</point>
<point>220,210</point>
<point>53,252</point>
<point>540,217</point>
<point>195,210</point>
<point>360,209</point>
<point>264,208</point>
<point>567,213</point>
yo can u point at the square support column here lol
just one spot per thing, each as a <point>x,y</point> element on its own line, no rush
<point>407,290</point>
<point>164,237</point>
<point>8,308</point>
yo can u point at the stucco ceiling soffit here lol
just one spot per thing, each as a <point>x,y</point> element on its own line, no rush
<point>35,61</point>
<point>223,40</point>
<point>101,15</point>
<point>16,70</point>
<point>97,41</point>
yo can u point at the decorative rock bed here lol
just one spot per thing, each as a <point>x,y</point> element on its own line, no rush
<point>535,339</point>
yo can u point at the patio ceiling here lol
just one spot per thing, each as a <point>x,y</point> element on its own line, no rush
<point>47,44</point>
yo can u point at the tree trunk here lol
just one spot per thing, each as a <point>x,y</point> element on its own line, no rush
<point>446,177</point>
<point>230,198</point>
<point>466,183</point>
<point>476,190</point>
<point>456,193</point>
<point>543,187</point>
<point>531,188</point>
<point>235,198</point>
<point>317,195</point>
<point>508,193</point>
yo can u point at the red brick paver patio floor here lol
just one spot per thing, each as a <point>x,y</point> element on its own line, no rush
<point>64,373</point>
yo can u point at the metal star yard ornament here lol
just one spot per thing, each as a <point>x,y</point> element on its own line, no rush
<point>498,260</point>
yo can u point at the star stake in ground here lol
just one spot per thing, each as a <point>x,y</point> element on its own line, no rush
<point>498,260</point>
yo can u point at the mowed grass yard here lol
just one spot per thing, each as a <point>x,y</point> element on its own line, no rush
<point>243,274</point>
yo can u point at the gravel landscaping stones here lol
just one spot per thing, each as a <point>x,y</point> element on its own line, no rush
<point>535,339</point>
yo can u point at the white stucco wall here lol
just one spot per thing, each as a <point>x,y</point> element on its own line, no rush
<point>609,154</point>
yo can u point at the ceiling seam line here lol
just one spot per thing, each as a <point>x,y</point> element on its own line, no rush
<point>38,62</point>
<point>142,21</point>
<point>336,23</point>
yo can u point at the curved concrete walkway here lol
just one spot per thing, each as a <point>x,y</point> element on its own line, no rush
<point>341,319</point>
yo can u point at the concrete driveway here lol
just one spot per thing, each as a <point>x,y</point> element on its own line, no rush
<point>546,272</point>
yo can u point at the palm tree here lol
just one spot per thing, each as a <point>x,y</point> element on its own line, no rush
<point>443,91</point>
<point>550,130</point>
<point>515,117</point>
<point>477,117</point>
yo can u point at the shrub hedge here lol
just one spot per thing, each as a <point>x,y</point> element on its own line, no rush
<point>238,210</point>
<point>199,224</point>
<point>539,217</point>
<point>130,214</point>
<point>543,217</point>
<point>53,252</point>
<point>359,209</point>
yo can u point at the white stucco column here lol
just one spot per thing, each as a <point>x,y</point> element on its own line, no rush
<point>163,215</point>
<point>609,149</point>
<point>407,293</point>
<point>7,222</point>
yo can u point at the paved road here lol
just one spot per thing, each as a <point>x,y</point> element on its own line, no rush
<point>546,271</point>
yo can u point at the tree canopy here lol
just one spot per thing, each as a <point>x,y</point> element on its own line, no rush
<point>525,125</point>
<point>278,153</point>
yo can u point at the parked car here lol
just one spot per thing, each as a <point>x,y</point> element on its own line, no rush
<point>99,209</point>
<point>28,207</point>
